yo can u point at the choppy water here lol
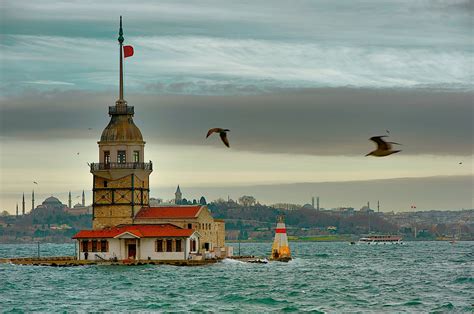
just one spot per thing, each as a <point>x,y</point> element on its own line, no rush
<point>324,277</point>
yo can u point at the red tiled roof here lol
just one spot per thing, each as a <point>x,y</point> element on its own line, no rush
<point>167,212</point>
<point>141,231</point>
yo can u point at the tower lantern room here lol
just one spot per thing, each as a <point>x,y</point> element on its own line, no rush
<point>121,177</point>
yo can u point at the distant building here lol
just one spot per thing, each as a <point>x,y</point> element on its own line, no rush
<point>308,206</point>
<point>286,206</point>
<point>366,209</point>
<point>51,203</point>
<point>79,209</point>
<point>178,196</point>
<point>155,201</point>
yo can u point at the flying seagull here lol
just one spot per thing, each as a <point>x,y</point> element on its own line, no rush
<point>388,131</point>
<point>222,134</point>
<point>35,182</point>
<point>460,163</point>
<point>383,148</point>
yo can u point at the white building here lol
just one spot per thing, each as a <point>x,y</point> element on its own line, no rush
<point>138,242</point>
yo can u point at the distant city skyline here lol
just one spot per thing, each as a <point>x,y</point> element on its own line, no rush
<point>301,87</point>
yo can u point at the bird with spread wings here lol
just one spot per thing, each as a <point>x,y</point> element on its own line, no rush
<point>383,148</point>
<point>222,134</point>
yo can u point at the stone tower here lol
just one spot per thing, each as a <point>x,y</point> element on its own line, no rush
<point>178,196</point>
<point>121,178</point>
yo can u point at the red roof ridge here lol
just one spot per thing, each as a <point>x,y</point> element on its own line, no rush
<point>139,230</point>
<point>169,211</point>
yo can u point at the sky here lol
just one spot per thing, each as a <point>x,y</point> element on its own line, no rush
<point>302,85</point>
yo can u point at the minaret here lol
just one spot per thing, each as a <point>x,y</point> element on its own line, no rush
<point>69,201</point>
<point>23,205</point>
<point>32,200</point>
<point>121,177</point>
<point>178,196</point>
<point>312,202</point>
<point>83,199</point>
<point>378,206</point>
<point>16,210</point>
<point>317,203</point>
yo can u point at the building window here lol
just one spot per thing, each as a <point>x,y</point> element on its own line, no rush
<point>169,246</point>
<point>159,245</point>
<point>178,245</point>
<point>190,226</point>
<point>105,183</point>
<point>136,156</point>
<point>107,157</point>
<point>121,159</point>
<point>103,246</point>
<point>85,246</point>
<point>94,246</point>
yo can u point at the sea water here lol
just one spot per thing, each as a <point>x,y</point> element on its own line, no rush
<point>323,277</point>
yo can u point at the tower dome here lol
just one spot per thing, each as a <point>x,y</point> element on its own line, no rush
<point>121,128</point>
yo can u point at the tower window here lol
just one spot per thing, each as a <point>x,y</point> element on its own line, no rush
<point>121,159</point>
<point>136,156</point>
<point>107,157</point>
<point>105,184</point>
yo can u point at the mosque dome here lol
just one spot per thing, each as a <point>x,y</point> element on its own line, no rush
<point>52,201</point>
<point>121,128</point>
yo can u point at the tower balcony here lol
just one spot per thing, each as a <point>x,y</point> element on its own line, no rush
<point>113,110</point>
<point>119,165</point>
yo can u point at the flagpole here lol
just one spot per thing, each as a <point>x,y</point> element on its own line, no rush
<point>120,40</point>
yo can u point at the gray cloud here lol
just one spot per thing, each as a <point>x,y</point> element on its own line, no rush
<point>326,121</point>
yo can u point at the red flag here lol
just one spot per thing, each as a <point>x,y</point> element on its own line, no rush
<point>127,51</point>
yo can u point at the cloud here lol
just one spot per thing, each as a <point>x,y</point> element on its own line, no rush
<point>46,82</point>
<point>262,44</point>
<point>199,65</point>
<point>326,121</point>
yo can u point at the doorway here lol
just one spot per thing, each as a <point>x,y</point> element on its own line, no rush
<point>132,251</point>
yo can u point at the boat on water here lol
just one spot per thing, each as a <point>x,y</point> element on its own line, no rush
<point>381,239</point>
<point>280,248</point>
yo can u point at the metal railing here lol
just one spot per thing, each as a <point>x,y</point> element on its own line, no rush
<point>125,165</point>
<point>121,110</point>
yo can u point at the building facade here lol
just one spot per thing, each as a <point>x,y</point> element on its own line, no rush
<point>138,242</point>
